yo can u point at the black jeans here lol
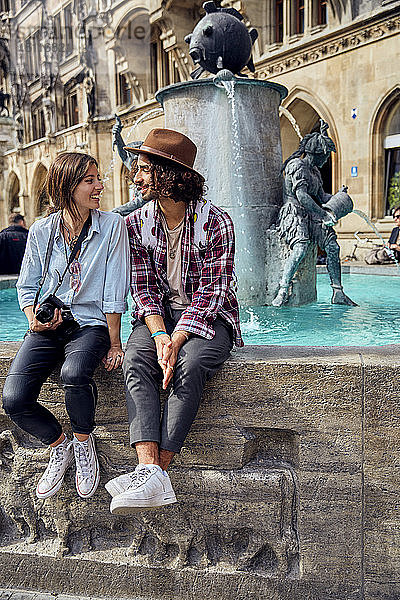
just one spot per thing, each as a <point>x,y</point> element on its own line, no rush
<point>198,360</point>
<point>80,352</point>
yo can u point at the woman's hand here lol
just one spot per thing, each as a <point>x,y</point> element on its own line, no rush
<point>113,358</point>
<point>38,327</point>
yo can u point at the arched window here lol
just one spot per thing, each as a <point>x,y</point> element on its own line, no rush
<point>159,62</point>
<point>132,76</point>
<point>308,120</point>
<point>391,143</point>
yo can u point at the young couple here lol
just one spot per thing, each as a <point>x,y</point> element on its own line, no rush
<point>185,314</point>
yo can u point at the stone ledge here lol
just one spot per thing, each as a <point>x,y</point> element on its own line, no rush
<point>287,488</point>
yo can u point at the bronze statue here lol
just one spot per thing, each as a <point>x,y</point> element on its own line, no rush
<point>221,41</point>
<point>129,159</point>
<point>309,213</point>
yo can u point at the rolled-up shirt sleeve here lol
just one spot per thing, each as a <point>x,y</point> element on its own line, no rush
<point>215,281</point>
<point>144,288</point>
<point>31,271</point>
<point>116,283</point>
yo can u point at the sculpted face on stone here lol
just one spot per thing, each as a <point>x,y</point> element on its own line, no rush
<point>221,41</point>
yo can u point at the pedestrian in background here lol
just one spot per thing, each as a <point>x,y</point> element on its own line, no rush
<point>12,245</point>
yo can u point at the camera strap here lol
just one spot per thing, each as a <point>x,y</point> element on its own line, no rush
<point>49,249</point>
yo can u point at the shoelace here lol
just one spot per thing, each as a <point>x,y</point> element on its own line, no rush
<point>56,460</point>
<point>82,464</point>
<point>138,477</point>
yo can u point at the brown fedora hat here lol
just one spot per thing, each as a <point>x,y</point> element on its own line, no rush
<point>169,144</point>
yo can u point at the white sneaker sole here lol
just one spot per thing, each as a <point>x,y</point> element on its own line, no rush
<point>127,506</point>
<point>56,487</point>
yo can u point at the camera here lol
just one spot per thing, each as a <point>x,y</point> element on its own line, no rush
<point>45,312</point>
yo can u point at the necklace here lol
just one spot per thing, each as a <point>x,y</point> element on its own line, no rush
<point>71,239</point>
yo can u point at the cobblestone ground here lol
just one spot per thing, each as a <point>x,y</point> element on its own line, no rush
<point>24,595</point>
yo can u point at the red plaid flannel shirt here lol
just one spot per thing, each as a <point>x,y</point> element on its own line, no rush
<point>206,275</point>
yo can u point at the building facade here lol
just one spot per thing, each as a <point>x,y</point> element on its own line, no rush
<point>70,66</point>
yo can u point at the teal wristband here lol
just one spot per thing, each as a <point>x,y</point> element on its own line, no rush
<point>156,333</point>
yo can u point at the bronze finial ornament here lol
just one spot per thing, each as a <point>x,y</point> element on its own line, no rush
<point>221,41</point>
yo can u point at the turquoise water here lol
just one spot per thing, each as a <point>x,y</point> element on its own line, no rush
<point>376,321</point>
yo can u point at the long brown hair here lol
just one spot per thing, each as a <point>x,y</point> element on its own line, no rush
<point>65,174</point>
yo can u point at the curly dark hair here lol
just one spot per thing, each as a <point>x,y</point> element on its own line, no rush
<point>173,180</point>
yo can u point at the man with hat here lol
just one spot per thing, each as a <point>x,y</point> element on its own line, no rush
<point>187,317</point>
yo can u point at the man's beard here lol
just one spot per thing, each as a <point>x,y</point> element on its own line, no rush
<point>149,194</point>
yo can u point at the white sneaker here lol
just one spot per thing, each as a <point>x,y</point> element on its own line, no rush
<point>87,467</point>
<point>120,484</point>
<point>61,457</point>
<point>150,488</point>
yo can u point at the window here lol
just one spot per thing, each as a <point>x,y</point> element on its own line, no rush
<point>69,40</point>
<point>124,91</point>
<point>71,110</point>
<point>32,56</point>
<point>392,160</point>
<point>154,66</point>
<point>299,16</point>
<point>322,12</point>
<point>38,126</point>
<point>279,21</point>
<point>58,31</point>
<point>28,57</point>
<point>159,63</point>
<point>392,183</point>
<point>4,5</point>
<point>36,53</point>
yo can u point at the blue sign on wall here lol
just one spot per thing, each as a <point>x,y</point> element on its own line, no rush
<point>354,171</point>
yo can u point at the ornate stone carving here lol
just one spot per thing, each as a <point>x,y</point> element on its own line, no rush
<point>297,59</point>
<point>258,531</point>
<point>48,52</point>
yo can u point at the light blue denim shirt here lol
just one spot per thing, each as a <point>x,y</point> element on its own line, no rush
<point>99,280</point>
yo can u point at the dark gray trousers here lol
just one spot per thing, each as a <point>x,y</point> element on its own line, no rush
<point>198,360</point>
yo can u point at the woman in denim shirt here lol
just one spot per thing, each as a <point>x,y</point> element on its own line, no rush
<point>94,289</point>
